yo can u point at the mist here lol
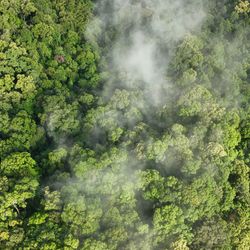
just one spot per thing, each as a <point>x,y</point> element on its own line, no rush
<point>138,41</point>
<point>146,35</point>
<point>124,124</point>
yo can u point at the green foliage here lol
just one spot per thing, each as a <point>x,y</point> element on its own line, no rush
<point>19,181</point>
<point>242,7</point>
<point>212,233</point>
<point>188,55</point>
<point>82,218</point>
<point>168,219</point>
<point>88,163</point>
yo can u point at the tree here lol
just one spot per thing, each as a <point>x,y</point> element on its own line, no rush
<point>212,234</point>
<point>169,220</point>
<point>60,118</point>
<point>188,55</point>
<point>19,181</point>
<point>82,217</point>
<point>92,244</point>
<point>243,7</point>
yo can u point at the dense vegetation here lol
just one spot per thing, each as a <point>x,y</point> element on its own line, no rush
<point>88,163</point>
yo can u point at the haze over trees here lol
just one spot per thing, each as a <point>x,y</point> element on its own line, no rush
<point>124,124</point>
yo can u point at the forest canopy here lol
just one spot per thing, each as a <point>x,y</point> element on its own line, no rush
<point>124,124</point>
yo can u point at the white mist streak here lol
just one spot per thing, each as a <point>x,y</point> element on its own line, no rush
<point>142,28</point>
